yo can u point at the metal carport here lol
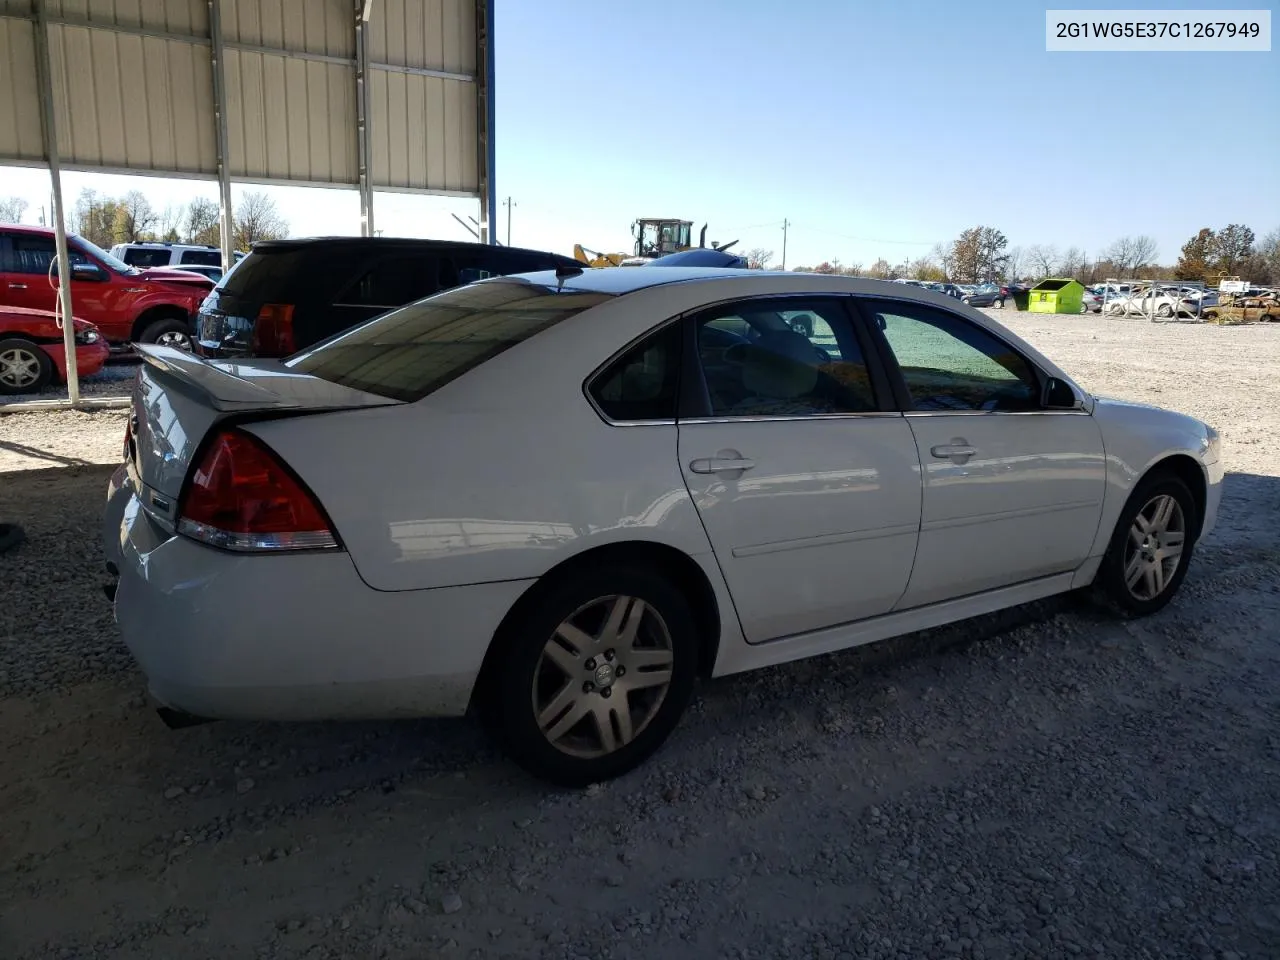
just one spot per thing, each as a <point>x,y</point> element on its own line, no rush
<point>374,95</point>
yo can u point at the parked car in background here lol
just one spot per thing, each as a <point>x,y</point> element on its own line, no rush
<point>213,273</point>
<point>32,353</point>
<point>288,294</point>
<point>158,254</point>
<point>1091,302</point>
<point>125,303</point>
<point>444,508</point>
<point>983,297</point>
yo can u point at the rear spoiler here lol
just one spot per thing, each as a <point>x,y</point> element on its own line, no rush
<point>264,385</point>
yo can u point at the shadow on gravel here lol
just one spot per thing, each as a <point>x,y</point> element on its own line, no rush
<point>57,635</point>
<point>37,454</point>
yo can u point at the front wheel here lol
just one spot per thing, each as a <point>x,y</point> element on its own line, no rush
<point>24,367</point>
<point>590,677</point>
<point>169,332</point>
<point>1151,547</point>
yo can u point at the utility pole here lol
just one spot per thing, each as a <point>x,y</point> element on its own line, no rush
<point>508,203</point>
<point>785,224</point>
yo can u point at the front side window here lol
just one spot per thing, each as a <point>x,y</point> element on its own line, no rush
<point>204,258</point>
<point>951,364</point>
<point>408,353</point>
<point>644,383</point>
<point>782,358</point>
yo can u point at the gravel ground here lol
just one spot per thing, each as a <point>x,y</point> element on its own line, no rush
<point>1045,783</point>
<point>113,380</point>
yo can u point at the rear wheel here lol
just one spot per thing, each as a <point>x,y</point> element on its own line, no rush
<point>169,332</point>
<point>1266,318</point>
<point>1165,311</point>
<point>24,367</point>
<point>592,675</point>
<point>1151,547</point>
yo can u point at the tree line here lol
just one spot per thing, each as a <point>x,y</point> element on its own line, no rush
<point>131,218</point>
<point>982,254</point>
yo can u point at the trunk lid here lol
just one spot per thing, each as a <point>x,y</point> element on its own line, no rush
<point>179,398</point>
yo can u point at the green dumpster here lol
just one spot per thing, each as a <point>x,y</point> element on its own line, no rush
<point>1057,295</point>
<point>1021,298</point>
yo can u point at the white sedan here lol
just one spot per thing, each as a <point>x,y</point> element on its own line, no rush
<point>561,499</point>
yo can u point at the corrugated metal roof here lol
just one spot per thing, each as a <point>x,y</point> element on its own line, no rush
<point>133,89</point>
<point>20,136</point>
<point>290,119</point>
<point>132,102</point>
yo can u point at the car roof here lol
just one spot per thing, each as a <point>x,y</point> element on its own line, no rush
<point>30,228</point>
<point>620,281</point>
<point>390,243</point>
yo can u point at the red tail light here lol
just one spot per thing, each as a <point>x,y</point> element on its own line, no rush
<point>241,497</point>
<point>273,333</point>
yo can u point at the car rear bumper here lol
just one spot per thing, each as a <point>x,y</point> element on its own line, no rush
<point>299,637</point>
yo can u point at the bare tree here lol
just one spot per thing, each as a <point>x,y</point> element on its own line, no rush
<point>200,224</point>
<point>1013,263</point>
<point>135,218</point>
<point>12,209</point>
<point>94,218</point>
<point>758,258</point>
<point>1072,262</point>
<point>852,270</point>
<point>880,269</point>
<point>1042,259</point>
<point>256,218</point>
<point>926,268</point>
<point>1128,255</point>
<point>941,254</point>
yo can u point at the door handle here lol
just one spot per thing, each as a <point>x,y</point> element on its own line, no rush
<point>957,451</point>
<point>720,465</point>
<point>17,286</point>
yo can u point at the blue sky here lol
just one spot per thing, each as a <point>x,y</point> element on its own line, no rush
<point>877,129</point>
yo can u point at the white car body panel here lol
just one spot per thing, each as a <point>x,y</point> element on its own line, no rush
<point>825,497</point>
<point>181,608</point>
<point>1025,505</point>
<point>450,508</point>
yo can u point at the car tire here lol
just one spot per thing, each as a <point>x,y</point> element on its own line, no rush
<point>1130,581</point>
<point>538,681</point>
<point>998,303</point>
<point>24,367</point>
<point>965,301</point>
<point>168,332</point>
<point>1266,318</point>
<point>1164,311</point>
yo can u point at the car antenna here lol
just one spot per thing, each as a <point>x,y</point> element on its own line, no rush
<point>563,273</point>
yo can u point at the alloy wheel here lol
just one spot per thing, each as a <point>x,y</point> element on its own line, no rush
<point>602,676</point>
<point>174,338</point>
<point>1154,547</point>
<point>19,367</point>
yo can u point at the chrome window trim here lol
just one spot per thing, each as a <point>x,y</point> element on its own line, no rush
<point>995,413</point>
<point>754,418</point>
<point>1043,374</point>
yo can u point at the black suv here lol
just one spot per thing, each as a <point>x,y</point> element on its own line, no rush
<point>289,294</point>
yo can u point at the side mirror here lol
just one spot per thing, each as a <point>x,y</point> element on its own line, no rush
<point>87,271</point>
<point>1058,395</point>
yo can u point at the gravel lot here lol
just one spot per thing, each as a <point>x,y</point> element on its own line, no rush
<point>1046,783</point>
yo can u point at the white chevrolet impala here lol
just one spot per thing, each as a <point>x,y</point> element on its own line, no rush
<point>560,499</point>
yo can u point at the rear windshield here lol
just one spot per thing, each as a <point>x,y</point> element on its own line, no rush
<point>410,352</point>
<point>268,276</point>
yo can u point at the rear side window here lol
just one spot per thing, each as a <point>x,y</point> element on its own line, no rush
<point>143,257</point>
<point>274,277</point>
<point>395,281</point>
<point>409,353</point>
<point>643,383</point>
<point>204,258</point>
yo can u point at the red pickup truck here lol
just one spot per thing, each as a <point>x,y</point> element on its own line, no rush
<point>127,304</point>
